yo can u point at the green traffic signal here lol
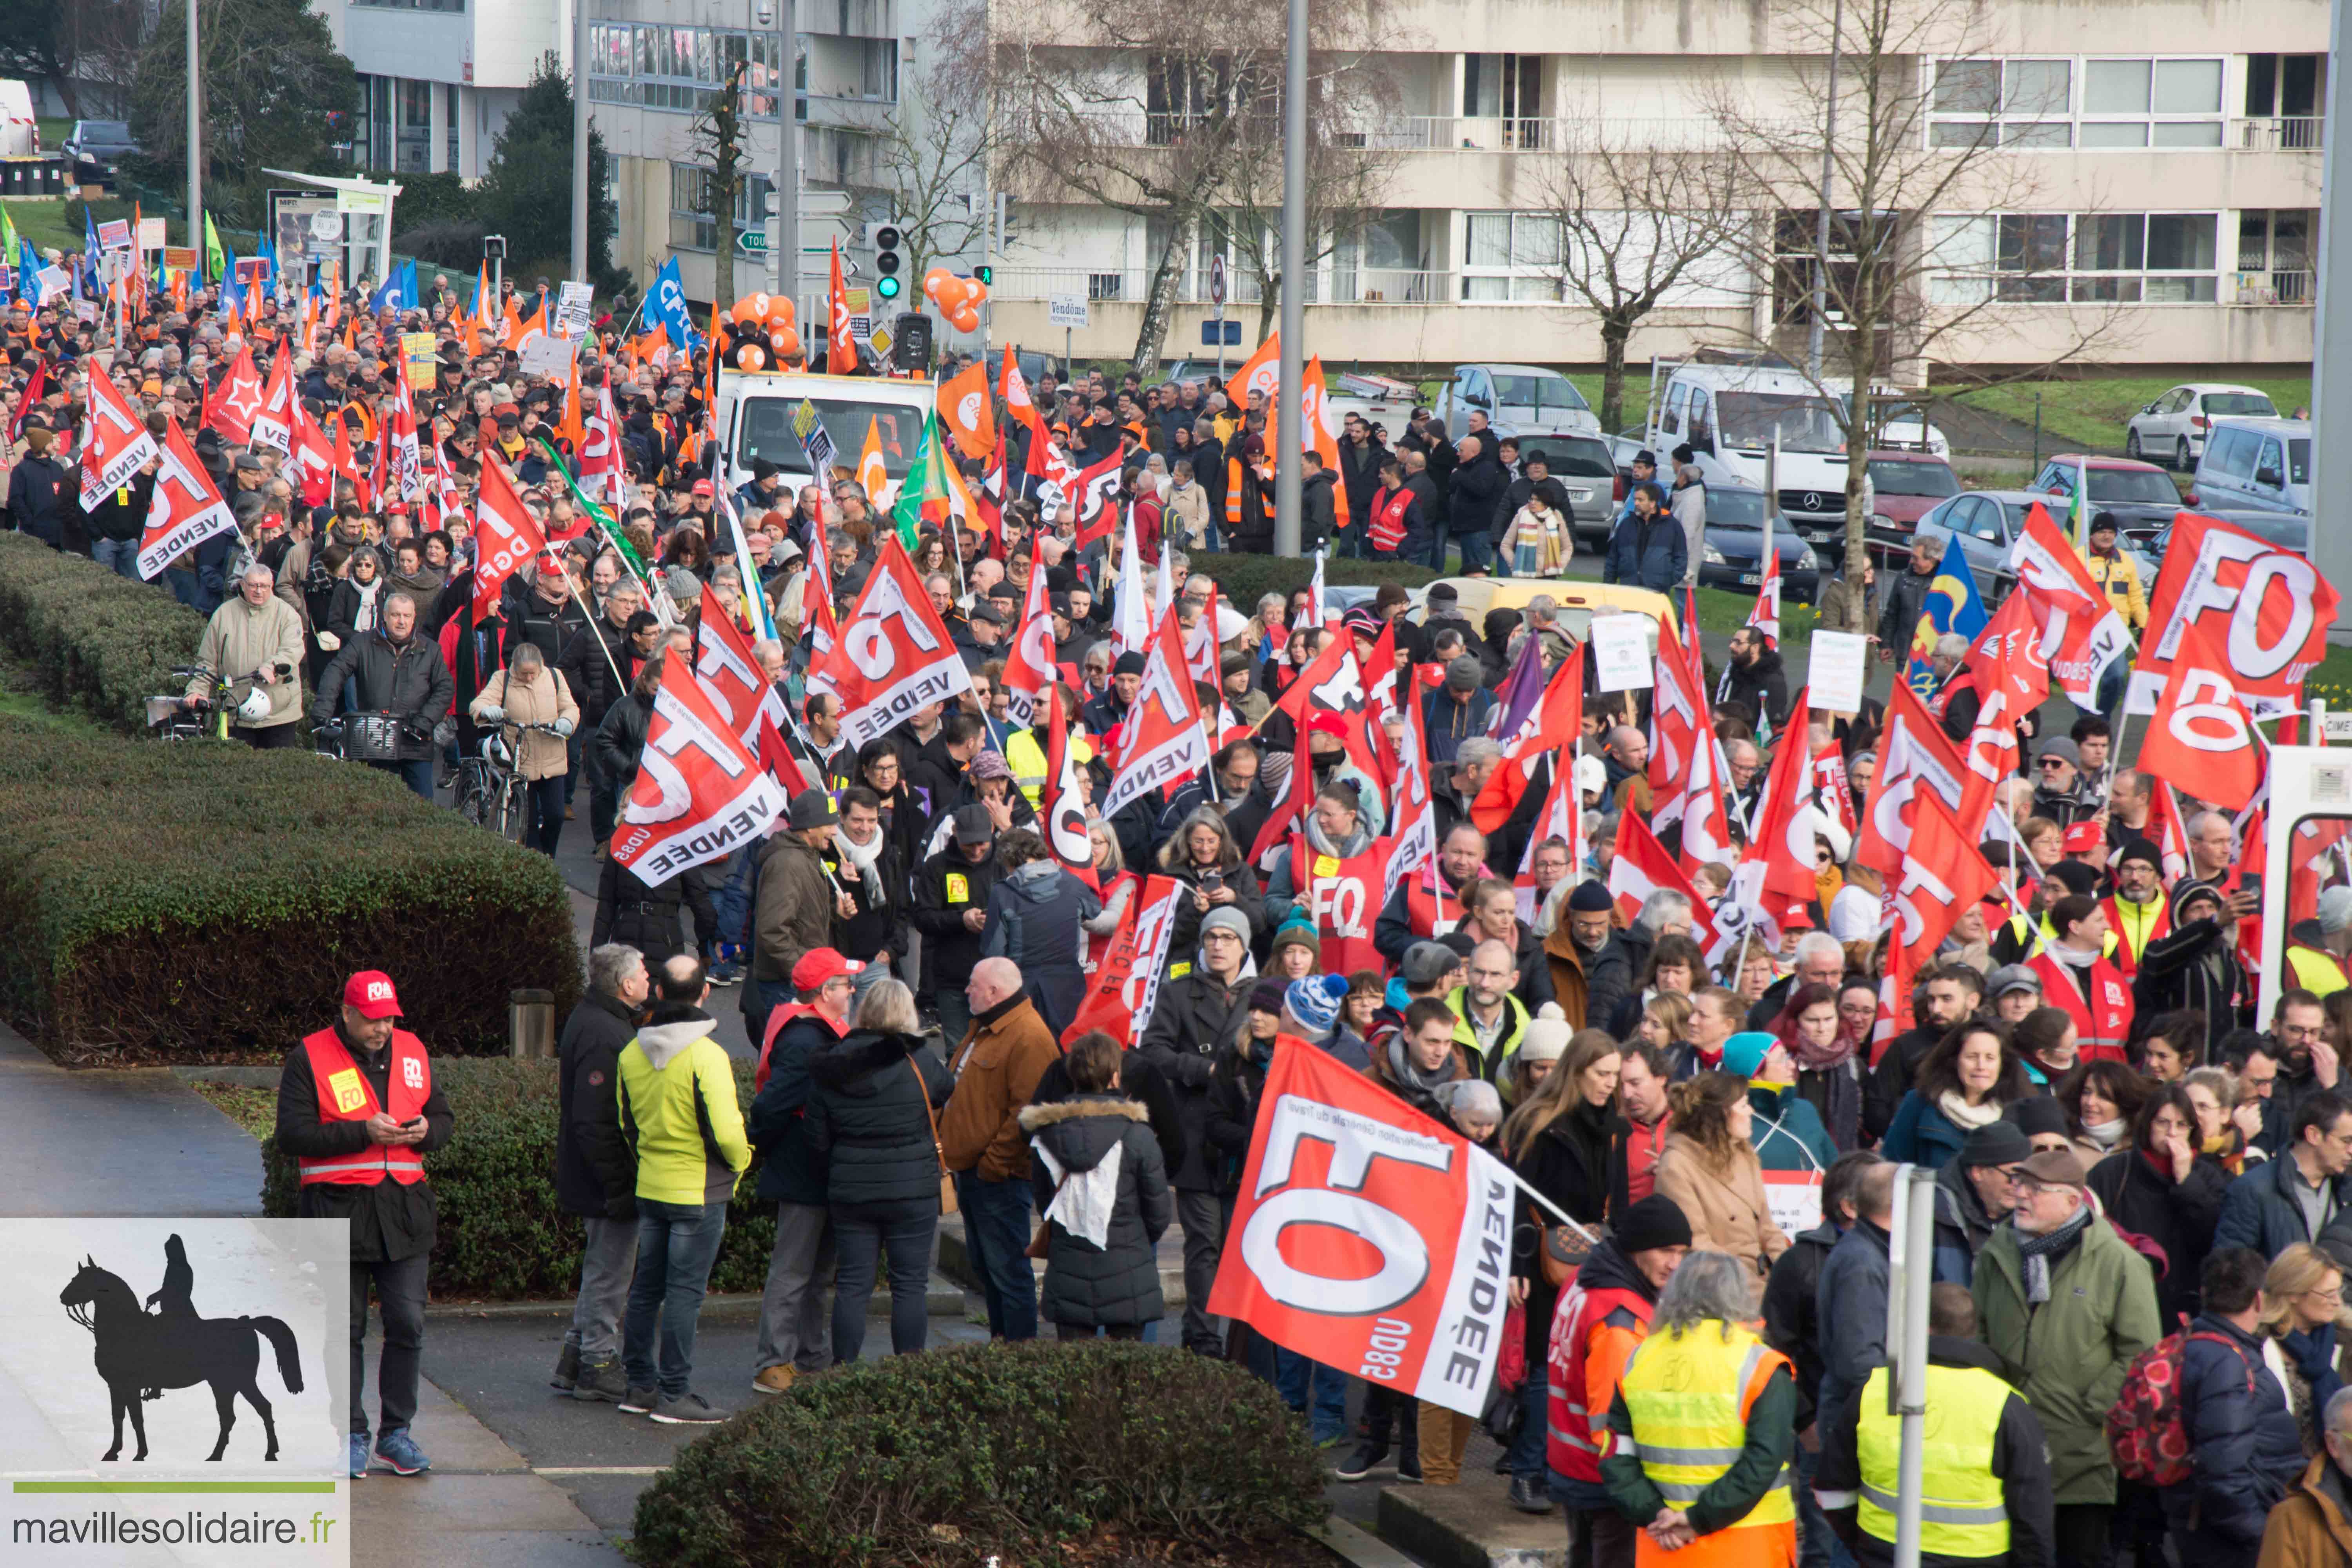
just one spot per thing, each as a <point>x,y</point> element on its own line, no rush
<point>986,275</point>
<point>887,286</point>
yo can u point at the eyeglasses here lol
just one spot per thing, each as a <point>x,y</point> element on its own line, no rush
<point>2050,764</point>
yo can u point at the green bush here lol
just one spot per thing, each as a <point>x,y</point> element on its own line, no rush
<point>1017,1451</point>
<point>1242,579</point>
<point>503,1236</point>
<point>97,641</point>
<point>205,902</point>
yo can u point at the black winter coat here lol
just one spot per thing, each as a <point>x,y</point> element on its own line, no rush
<point>646,918</point>
<point>2243,1441</point>
<point>1762,685</point>
<point>121,513</point>
<point>1316,512</point>
<point>621,739</point>
<point>1192,1019</point>
<point>1118,1283</point>
<point>1792,1318</point>
<point>1359,476</point>
<point>1035,918</point>
<point>791,1171</point>
<point>596,1173</point>
<point>2178,1216</point>
<point>945,889</point>
<point>1475,489</point>
<point>1139,1082</point>
<point>2174,974</point>
<point>550,628</point>
<point>1902,599</point>
<point>866,1118</point>
<point>411,681</point>
<point>1568,1163</point>
<point>1234,1084</point>
<point>591,678</point>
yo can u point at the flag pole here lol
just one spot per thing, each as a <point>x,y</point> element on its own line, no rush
<point>1557,1212</point>
<point>588,619</point>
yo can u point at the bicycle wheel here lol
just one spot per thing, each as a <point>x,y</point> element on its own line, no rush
<point>473,799</point>
<point>513,813</point>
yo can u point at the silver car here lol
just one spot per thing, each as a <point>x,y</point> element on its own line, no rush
<point>2255,465</point>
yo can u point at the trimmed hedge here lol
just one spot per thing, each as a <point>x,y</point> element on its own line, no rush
<point>205,901</point>
<point>1242,578</point>
<point>503,1234</point>
<point>1024,1452</point>
<point>99,642</point>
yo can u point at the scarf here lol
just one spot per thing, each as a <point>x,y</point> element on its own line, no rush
<point>1400,1064</point>
<point>1812,1057</point>
<point>865,860</point>
<point>2040,1251</point>
<point>369,592</point>
<point>2227,1150</point>
<point>1965,1117</point>
<point>2105,1134</point>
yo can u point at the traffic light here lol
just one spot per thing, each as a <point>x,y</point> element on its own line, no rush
<point>887,284</point>
<point>986,274</point>
<point>911,345</point>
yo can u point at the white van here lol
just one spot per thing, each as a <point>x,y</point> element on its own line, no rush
<point>1732,409</point>
<point>20,133</point>
<point>756,410</point>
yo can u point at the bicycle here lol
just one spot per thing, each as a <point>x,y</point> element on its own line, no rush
<point>181,718</point>
<point>491,788</point>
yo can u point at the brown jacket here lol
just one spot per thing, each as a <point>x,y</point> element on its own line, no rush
<point>1728,1211</point>
<point>794,911</point>
<point>996,1070</point>
<point>2310,1528</point>
<point>1568,986</point>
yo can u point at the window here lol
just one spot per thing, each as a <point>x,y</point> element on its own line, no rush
<point>683,69</point>
<point>2044,259</point>
<point>380,123</point>
<point>450,116</point>
<point>693,218</point>
<point>1511,257</point>
<point>2030,103</point>
<point>413,4</point>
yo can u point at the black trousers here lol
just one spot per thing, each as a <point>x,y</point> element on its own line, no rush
<point>2084,1534</point>
<point>400,1297</point>
<point>268,737</point>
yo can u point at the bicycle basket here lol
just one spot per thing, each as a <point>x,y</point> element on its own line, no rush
<point>372,737</point>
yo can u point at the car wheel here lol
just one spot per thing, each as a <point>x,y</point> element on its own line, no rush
<point>2131,445</point>
<point>2180,458</point>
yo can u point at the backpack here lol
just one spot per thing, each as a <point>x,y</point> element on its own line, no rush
<point>2146,1433</point>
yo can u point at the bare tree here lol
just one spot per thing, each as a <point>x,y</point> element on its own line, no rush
<point>1931,234</point>
<point>1169,113</point>
<point>933,159</point>
<point>1632,227</point>
<point>717,134</point>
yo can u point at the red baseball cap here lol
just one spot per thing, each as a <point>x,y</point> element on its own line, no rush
<point>819,964</point>
<point>370,990</point>
<point>2084,837</point>
<point>702,487</point>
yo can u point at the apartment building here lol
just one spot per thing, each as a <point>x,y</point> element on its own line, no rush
<point>2161,167</point>
<point>437,77</point>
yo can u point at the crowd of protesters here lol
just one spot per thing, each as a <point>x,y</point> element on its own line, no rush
<point>2122,1145</point>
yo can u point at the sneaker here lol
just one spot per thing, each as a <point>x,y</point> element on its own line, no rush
<point>687,1409</point>
<point>601,1379</point>
<point>1529,1495</point>
<point>774,1380</point>
<point>726,975</point>
<point>1409,1466</point>
<point>639,1401</point>
<point>359,1454</point>
<point>567,1369</point>
<point>1368,1456</point>
<point>399,1451</point>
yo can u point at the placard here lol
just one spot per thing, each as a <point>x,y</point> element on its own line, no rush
<point>421,349</point>
<point>572,310</point>
<point>179,257</point>
<point>115,235</point>
<point>151,234</point>
<point>1620,652</point>
<point>1068,310</point>
<point>548,356</point>
<point>1840,669</point>
<point>1795,1198</point>
<point>815,439</point>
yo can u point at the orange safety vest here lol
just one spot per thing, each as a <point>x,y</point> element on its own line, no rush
<point>1234,492</point>
<point>345,1095</point>
<point>2102,1019</point>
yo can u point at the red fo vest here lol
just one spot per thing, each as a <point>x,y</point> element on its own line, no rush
<point>2102,1019</point>
<point>1961,681</point>
<point>1568,1447</point>
<point>1389,508</point>
<point>2127,956</point>
<point>777,1019</point>
<point>345,1095</point>
<point>1344,897</point>
<point>1421,904</point>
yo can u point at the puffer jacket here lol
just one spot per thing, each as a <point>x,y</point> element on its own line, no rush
<point>646,918</point>
<point>1652,554</point>
<point>1116,1284</point>
<point>678,1108</point>
<point>2259,1210</point>
<point>594,1175</point>
<point>790,1171</point>
<point>2243,1441</point>
<point>412,682</point>
<point>1035,918</point>
<point>621,739</point>
<point>866,1117</point>
<point>541,702</point>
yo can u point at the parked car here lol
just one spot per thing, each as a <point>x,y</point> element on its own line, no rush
<point>2287,529</point>
<point>1730,554</point>
<point>1904,485</point>
<point>1987,523</point>
<point>2172,429</point>
<point>1521,400</point>
<point>96,149</point>
<point>2142,496</point>
<point>2255,465</point>
<point>1588,472</point>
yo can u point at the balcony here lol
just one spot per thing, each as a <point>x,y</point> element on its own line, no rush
<point>2276,288</point>
<point>2276,134</point>
<point>1496,133</point>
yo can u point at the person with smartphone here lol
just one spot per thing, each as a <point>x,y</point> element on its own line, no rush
<point>358,1110</point>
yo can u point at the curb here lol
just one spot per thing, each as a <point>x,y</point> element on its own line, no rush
<point>1358,1546</point>
<point>1470,1526</point>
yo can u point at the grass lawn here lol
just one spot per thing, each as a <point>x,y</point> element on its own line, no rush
<point>53,133</point>
<point>56,222</point>
<point>2091,413</point>
<point>255,1109</point>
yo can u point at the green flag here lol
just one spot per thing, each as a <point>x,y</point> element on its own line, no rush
<point>603,520</point>
<point>8,240</point>
<point>926,483</point>
<point>216,258</point>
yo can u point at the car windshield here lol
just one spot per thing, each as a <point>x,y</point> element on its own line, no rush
<point>2137,484</point>
<point>2298,461</point>
<point>1750,419</point>
<point>1578,461</point>
<point>2253,404</point>
<point>767,432</point>
<point>1736,508</point>
<point>1914,479</point>
<point>1540,395</point>
<point>105,131</point>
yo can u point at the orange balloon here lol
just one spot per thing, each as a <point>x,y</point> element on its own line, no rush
<point>787,344</point>
<point>936,282</point>
<point>966,319</point>
<point>751,356</point>
<point>759,303</point>
<point>743,312</point>
<point>780,313</point>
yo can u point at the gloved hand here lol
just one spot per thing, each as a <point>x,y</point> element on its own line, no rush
<point>415,728</point>
<point>444,731</point>
<point>562,727</point>
<point>494,714</point>
<point>329,641</point>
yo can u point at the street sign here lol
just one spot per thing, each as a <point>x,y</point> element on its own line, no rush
<point>881,340</point>
<point>1225,333</point>
<point>1068,310</point>
<point>1217,282</point>
<point>752,240</point>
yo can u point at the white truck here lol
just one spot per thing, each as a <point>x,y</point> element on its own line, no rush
<point>1731,406</point>
<point>757,410</point>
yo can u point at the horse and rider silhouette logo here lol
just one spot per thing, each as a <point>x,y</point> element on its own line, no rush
<point>140,1353</point>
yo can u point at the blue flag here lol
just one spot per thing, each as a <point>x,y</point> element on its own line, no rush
<point>667,304</point>
<point>410,296</point>
<point>89,242</point>
<point>1952,606</point>
<point>388,296</point>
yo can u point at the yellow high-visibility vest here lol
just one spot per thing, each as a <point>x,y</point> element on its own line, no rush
<point>1689,1395</point>
<point>1962,1510</point>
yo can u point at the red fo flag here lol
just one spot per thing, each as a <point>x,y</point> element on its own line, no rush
<point>1833,797</point>
<point>1559,725</point>
<point>507,535</point>
<point>1163,740</point>
<point>2267,609</point>
<point>1784,836</point>
<point>273,427</point>
<point>1369,1237</point>
<point>231,409</point>
<point>2202,737</point>
<point>2011,678</point>
<point>894,654</point>
<point>1642,867</point>
<point>1413,842</point>
<point>1678,730</point>
<point>1090,494</point>
<point>2081,632</point>
<point>186,509</point>
<point>1914,758</point>
<point>1126,981</point>
<point>1943,876</point>
<point>1333,683</point>
<point>731,675</point>
<point>700,794</point>
<point>1029,667</point>
<point>115,443</point>
<point>1061,802</point>
<point>1766,617</point>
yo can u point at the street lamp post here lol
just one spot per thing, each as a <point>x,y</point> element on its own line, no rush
<point>784,262</point>
<point>1289,395</point>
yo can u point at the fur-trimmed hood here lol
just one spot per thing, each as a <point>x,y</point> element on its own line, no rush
<point>1083,1131</point>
